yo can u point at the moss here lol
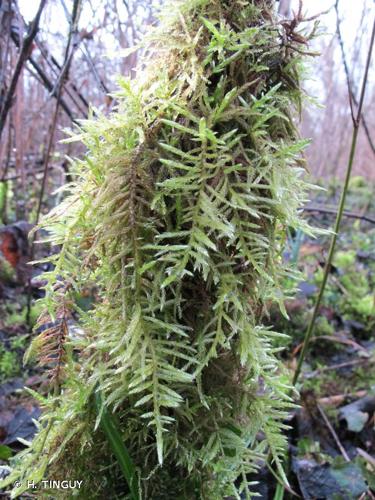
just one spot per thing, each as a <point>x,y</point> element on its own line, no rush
<point>324,327</point>
<point>178,215</point>
<point>344,259</point>
<point>10,364</point>
<point>7,272</point>
<point>358,182</point>
<point>364,306</point>
<point>3,199</point>
<point>349,289</point>
<point>19,342</point>
<point>14,316</point>
<point>35,311</point>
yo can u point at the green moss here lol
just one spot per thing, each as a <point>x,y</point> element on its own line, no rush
<point>36,310</point>
<point>19,342</point>
<point>324,327</point>
<point>7,272</point>
<point>178,215</point>
<point>344,259</point>
<point>358,182</point>
<point>364,306</point>
<point>10,364</point>
<point>17,317</point>
<point>349,292</point>
<point>3,198</point>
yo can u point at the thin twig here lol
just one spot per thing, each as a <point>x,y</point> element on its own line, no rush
<point>338,366</point>
<point>46,81</point>
<point>51,61</point>
<point>86,55</point>
<point>58,89</point>
<point>57,68</point>
<point>29,173</point>
<point>281,483</point>
<point>346,213</point>
<point>338,399</point>
<point>50,87</point>
<point>356,122</point>
<point>333,433</point>
<point>40,72</point>
<point>22,58</point>
<point>369,459</point>
<point>352,97</point>
<point>332,338</point>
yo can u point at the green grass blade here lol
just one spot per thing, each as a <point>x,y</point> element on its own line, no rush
<point>111,429</point>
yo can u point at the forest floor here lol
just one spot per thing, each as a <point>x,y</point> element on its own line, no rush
<point>331,439</point>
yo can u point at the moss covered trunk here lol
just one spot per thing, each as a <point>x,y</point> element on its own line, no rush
<point>177,219</point>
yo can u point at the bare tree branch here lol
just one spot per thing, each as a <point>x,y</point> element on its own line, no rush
<point>51,88</point>
<point>352,96</point>
<point>58,88</point>
<point>22,58</point>
<point>346,213</point>
<point>45,79</point>
<point>86,55</point>
<point>56,68</point>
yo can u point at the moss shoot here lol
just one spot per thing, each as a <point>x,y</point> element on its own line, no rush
<point>177,216</point>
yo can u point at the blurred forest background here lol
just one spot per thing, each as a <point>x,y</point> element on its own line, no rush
<point>59,63</point>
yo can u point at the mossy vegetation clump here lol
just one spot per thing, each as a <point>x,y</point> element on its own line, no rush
<point>177,216</point>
